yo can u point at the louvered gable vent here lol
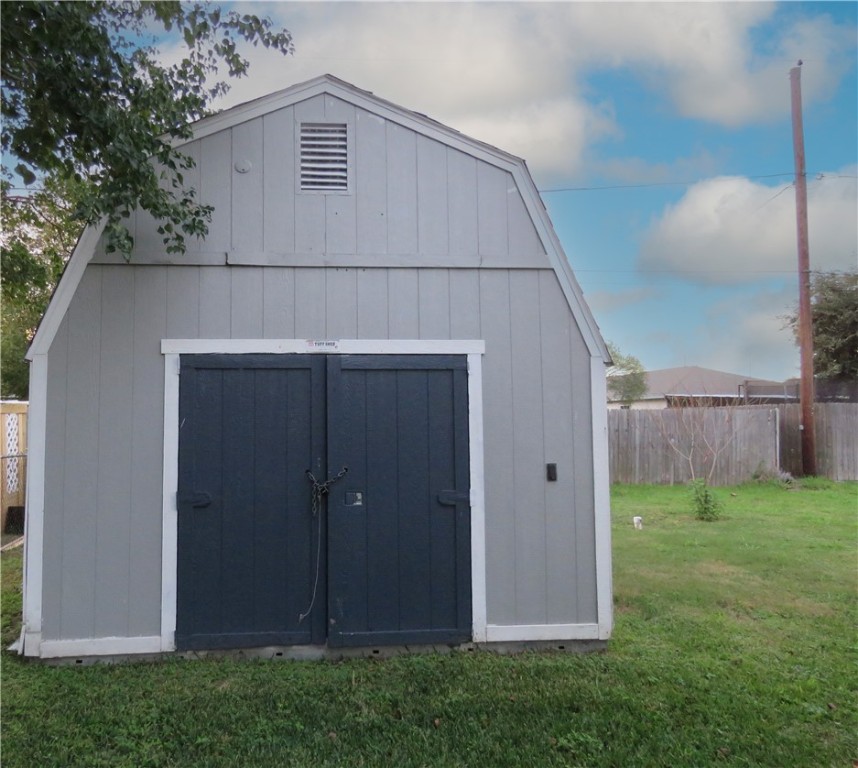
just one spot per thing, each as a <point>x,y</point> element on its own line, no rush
<point>324,157</point>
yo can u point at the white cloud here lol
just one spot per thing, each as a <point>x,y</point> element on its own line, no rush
<point>607,301</point>
<point>636,170</point>
<point>730,229</point>
<point>746,335</point>
<point>490,70</point>
<point>551,135</point>
<point>515,74</point>
<point>702,55</point>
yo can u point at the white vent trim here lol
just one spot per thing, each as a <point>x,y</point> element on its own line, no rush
<point>324,157</point>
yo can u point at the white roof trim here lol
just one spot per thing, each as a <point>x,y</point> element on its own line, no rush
<point>327,84</point>
<point>65,290</point>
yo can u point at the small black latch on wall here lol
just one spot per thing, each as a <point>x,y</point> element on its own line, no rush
<point>551,473</point>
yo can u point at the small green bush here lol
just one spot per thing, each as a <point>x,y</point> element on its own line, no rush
<point>770,476</point>
<point>706,505</point>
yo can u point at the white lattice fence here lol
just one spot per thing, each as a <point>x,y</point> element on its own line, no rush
<point>13,442</point>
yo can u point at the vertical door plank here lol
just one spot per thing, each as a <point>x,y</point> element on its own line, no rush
<point>201,468</point>
<point>382,449</point>
<point>413,499</point>
<point>271,513</point>
<point>442,519</point>
<point>347,541</point>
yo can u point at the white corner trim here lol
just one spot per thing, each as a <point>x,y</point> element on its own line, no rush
<point>173,348</point>
<point>602,498</point>
<point>499,633</point>
<point>318,346</point>
<point>34,522</point>
<point>169,511</point>
<point>65,291</point>
<point>100,646</point>
<point>479,601</point>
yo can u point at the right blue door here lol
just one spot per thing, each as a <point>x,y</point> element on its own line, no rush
<point>399,546</point>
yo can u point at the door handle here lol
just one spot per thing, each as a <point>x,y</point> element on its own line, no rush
<point>196,499</point>
<point>451,498</point>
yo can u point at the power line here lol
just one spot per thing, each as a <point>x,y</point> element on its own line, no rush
<point>776,195</point>
<point>820,176</point>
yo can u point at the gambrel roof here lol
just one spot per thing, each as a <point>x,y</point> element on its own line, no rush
<point>421,124</point>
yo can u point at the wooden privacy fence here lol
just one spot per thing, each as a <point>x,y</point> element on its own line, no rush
<point>728,445</point>
<point>836,439</point>
<point>724,445</point>
<point>13,466</point>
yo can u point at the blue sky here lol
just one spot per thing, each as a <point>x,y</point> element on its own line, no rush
<point>680,109</point>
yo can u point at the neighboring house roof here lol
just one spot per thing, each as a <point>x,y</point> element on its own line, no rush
<point>415,121</point>
<point>692,380</point>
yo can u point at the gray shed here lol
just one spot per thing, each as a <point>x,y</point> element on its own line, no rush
<point>367,410</point>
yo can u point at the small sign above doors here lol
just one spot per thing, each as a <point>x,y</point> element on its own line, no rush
<point>315,345</point>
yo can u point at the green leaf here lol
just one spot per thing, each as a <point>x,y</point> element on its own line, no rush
<point>27,176</point>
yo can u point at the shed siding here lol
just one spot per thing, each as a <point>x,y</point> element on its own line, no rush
<point>105,398</point>
<point>412,197</point>
<point>147,404</point>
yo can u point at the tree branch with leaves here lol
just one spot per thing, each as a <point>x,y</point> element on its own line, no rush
<point>86,97</point>
<point>626,377</point>
<point>834,310</point>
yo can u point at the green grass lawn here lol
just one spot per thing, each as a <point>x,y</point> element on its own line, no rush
<point>734,645</point>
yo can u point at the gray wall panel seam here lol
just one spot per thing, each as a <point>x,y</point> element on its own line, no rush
<point>231,198</point>
<point>512,430</point>
<point>384,157</point>
<point>577,587</point>
<point>98,450</point>
<point>547,576</point>
<point>64,470</point>
<point>133,317</point>
<point>477,188</point>
<point>264,164</point>
<point>417,208</point>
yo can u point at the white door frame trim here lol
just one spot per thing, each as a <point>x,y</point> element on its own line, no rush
<point>173,348</point>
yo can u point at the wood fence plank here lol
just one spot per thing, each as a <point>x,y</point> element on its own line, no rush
<point>664,446</point>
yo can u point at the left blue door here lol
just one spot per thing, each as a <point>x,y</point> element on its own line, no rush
<point>250,551</point>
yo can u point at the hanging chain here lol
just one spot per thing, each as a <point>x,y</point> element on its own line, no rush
<point>319,489</point>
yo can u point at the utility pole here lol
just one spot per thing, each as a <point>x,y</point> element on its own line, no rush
<point>805,323</point>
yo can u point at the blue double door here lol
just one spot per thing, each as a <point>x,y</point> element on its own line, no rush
<point>323,500</point>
